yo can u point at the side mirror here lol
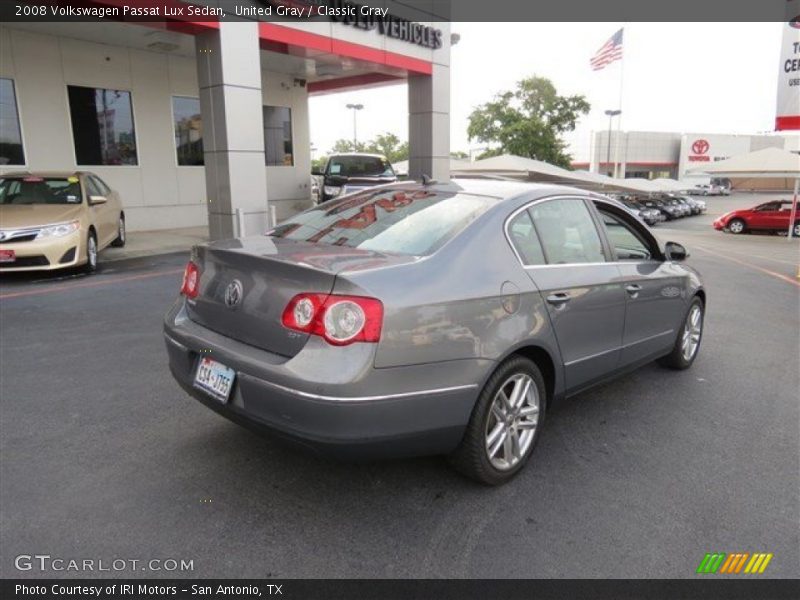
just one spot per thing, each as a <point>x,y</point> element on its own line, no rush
<point>674,251</point>
<point>97,200</point>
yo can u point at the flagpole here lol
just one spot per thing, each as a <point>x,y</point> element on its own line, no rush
<point>617,170</point>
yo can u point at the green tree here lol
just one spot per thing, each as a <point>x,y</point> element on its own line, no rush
<point>528,121</point>
<point>343,146</point>
<point>459,155</point>
<point>388,145</point>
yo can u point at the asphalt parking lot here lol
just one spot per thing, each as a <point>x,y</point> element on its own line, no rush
<point>104,457</point>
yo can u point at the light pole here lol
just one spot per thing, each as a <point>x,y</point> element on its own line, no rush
<point>610,114</point>
<point>355,108</point>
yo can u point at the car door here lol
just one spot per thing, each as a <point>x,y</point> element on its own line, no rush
<point>763,216</point>
<point>585,300</point>
<point>655,289</point>
<point>104,220</point>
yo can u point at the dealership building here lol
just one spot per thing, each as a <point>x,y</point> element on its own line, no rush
<point>207,122</point>
<point>651,154</point>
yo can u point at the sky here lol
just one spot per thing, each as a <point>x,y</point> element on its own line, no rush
<point>685,77</point>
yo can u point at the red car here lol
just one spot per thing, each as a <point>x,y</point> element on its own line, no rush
<point>770,216</point>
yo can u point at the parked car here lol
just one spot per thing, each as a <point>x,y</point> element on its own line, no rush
<point>347,173</point>
<point>684,209</point>
<point>651,216</point>
<point>770,216</point>
<point>430,319</point>
<point>57,220</point>
<point>697,205</point>
<point>668,211</point>
<point>710,189</point>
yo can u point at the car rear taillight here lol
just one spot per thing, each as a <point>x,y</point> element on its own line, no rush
<point>191,281</point>
<point>340,320</point>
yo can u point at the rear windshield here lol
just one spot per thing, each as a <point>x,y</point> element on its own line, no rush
<point>416,222</point>
<point>360,166</point>
<point>40,190</point>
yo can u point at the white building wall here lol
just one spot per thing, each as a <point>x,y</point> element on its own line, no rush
<point>157,193</point>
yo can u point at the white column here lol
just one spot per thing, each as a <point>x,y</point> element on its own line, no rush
<point>429,116</point>
<point>229,77</point>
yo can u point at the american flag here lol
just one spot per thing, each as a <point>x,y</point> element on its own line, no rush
<point>608,53</point>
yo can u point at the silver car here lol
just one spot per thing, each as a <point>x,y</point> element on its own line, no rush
<point>430,319</point>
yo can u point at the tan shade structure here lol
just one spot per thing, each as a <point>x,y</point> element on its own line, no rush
<point>768,162</point>
<point>529,169</point>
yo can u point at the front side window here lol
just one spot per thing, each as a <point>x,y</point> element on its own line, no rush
<point>188,131</point>
<point>11,151</point>
<point>102,126</point>
<point>523,236</point>
<point>627,244</point>
<point>278,147</point>
<point>567,232</point>
<point>416,222</point>
<point>40,190</point>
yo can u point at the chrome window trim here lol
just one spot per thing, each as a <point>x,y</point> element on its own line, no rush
<point>431,392</point>
<point>510,217</point>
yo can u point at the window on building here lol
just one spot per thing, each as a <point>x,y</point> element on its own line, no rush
<point>188,131</point>
<point>102,126</point>
<point>278,146</point>
<point>11,152</point>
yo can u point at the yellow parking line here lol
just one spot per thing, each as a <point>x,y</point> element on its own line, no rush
<point>751,266</point>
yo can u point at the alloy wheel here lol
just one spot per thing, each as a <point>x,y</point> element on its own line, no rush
<point>736,227</point>
<point>121,234</point>
<point>511,424</point>
<point>796,230</point>
<point>692,331</point>
<point>91,252</point>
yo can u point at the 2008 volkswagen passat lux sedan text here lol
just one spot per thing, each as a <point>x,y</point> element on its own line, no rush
<point>430,319</point>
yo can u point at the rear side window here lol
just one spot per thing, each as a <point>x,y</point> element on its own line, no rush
<point>416,222</point>
<point>567,232</point>
<point>525,241</point>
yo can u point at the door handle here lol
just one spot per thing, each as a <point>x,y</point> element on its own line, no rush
<point>633,289</point>
<point>559,298</point>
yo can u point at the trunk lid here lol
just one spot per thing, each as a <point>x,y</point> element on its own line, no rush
<point>269,272</point>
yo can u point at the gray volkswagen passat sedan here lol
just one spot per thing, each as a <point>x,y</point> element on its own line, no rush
<point>430,319</point>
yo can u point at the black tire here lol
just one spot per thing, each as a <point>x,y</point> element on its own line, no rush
<point>677,358</point>
<point>471,457</point>
<point>119,241</point>
<point>796,230</point>
<point>91,256</point>
<point>737,226</point>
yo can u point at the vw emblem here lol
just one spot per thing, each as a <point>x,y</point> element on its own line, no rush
<point>234,293</point>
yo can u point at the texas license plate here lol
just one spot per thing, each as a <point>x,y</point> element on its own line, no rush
<point>7,256</point>
<point>214,378</point>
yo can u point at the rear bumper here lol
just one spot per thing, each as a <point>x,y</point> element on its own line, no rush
<point>380,413</point>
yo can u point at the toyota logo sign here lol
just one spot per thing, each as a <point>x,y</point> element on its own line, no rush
<point>234,293</point>
<point>700,146</point>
